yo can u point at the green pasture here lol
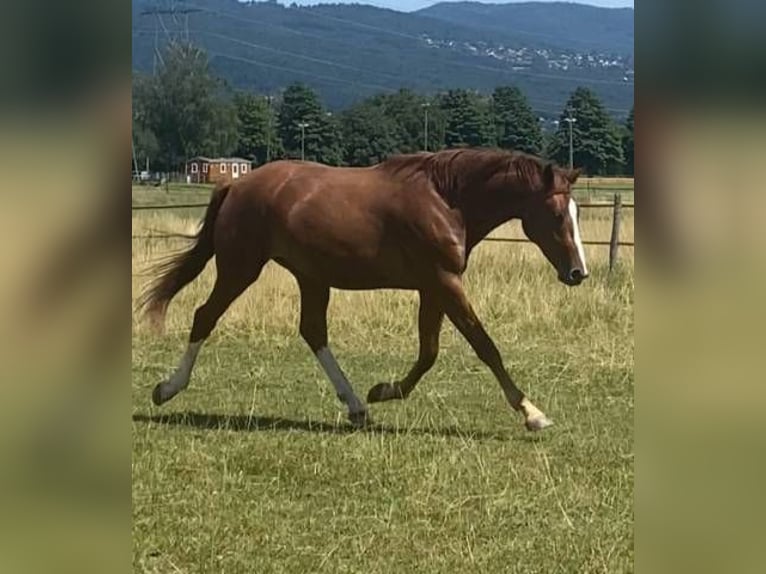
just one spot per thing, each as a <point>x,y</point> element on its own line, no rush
<point>253,468</point>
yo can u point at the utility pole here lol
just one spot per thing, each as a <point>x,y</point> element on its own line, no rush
<point>570,120</point>
<point>269,99</point>
<point>172,11</point>
<point>303,126</point>
<point>425,125</point>
<point>135,160</point>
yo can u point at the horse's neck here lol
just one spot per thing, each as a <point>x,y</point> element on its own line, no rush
<point>482,213</point>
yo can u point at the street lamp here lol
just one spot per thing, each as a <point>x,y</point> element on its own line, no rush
<point>269,100</point>
<point>570,120</point>
<point>425,107</point>
<point>303,126</point>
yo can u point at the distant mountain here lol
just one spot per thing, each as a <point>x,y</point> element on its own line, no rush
<point>562,25</point>
<point>349,52</point>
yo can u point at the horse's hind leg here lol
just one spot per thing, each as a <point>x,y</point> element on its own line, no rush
<point>228,286</point>
<point>430,317</point>
<point>313,328</point>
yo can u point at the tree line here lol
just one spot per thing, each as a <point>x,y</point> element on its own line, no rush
<point>184,110</point>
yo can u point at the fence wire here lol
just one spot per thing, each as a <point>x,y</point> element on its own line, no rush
<point>150,237</point>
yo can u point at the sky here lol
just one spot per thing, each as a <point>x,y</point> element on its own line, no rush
<point>409,5</point>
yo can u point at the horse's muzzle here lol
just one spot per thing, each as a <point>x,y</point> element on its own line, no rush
<point>574,277</point>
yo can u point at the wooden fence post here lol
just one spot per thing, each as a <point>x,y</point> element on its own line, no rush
<point>614,242</point>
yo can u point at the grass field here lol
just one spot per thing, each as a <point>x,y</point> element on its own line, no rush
<point>254,469</point>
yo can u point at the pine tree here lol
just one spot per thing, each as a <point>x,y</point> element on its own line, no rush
<point>146,146</point>
<point>516,125</point>
<point>468,123</point>
<point>258,138</point>
<point>368,134</point>
<point>596,139</point>
<point>322,138</point>
<point>330,140</point>
<point>409,112</point>
<point>628,143</point>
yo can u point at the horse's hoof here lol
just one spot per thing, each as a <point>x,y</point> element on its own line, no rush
<point>360,419</point>
<point>157,397</point>
<point>383,392</point>
<point>538,423</point>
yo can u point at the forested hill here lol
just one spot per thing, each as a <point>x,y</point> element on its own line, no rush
<point>350,52</point>
<point>563,25</point>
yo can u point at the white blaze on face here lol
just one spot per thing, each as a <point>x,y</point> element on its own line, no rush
<point>577,238</point>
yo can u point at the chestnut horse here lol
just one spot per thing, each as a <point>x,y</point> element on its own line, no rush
<point>409,222</point>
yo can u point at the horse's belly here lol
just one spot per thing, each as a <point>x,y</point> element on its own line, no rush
<point>373,279</point>
<point>351,272</point>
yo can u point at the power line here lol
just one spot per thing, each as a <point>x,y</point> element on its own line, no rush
<point>363,25</point>
<point>296,55</point>
<point>294,71</point>
<point>293,55</point>
<point>158,12</point>
<point>314,12</point>
<point>418,39</point>
<point>374,73</point>
<point>478,66</point>
<point>172,10</point>
<point>260,23</point>
<point>539,106</point>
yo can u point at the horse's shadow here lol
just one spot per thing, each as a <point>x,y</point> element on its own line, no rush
<point>257,423</point>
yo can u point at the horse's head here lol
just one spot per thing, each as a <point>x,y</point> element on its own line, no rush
<point>551,221</point>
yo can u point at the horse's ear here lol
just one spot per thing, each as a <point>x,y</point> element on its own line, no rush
<point>549,176</point>
<point>573,174</point>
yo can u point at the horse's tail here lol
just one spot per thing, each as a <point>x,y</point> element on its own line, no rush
<point>180,269</point>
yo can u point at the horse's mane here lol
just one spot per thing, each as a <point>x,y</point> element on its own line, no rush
<point>452,171</point>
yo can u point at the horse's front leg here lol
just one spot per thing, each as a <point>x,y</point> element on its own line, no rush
<point>430,316</point>
<point>461,313</point>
